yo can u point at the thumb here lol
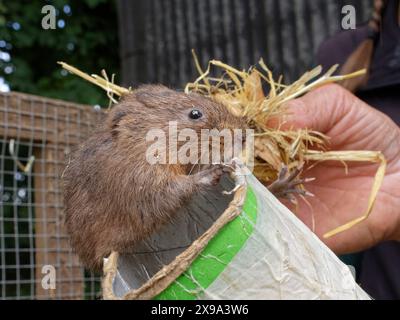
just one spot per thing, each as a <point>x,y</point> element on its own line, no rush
<point>319,110</point>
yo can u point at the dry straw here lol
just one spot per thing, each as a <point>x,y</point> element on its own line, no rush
<point>242,93</point>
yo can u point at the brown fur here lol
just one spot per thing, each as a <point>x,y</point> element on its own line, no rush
<point>113,196</point>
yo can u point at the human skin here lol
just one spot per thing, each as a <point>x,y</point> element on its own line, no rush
<point>338,198</point>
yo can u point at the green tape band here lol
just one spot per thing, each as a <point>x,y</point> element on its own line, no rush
<point>218,253</point>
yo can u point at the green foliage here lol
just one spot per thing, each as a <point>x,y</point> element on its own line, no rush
<point>88,41</point>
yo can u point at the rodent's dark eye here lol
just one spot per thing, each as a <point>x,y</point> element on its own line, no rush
<point>195,114</point>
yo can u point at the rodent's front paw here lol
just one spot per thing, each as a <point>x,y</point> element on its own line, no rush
<point>210,177</point>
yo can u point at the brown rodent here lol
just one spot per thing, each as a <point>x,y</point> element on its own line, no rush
<point>113,196</point>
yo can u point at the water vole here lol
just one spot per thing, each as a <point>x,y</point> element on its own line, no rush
<point>113,196</point>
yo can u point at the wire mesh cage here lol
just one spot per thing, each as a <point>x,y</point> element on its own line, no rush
<point>36,136</point>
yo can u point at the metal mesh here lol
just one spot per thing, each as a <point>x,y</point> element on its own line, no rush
<point>37,134</point>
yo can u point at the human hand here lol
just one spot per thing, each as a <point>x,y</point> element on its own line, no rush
<point>351,125</point>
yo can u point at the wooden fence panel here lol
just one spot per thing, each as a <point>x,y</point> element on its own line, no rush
<point>156,36</point>
<point>47,129</point>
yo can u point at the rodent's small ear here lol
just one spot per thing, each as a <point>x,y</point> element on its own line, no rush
<point>114,121</point>
<point>153,95</point>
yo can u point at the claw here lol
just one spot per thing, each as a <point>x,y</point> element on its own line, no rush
<point>286,186</point>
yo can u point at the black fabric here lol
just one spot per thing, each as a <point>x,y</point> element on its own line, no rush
<point>385,99</point>
<point>380,271</point>
<point>385,66</point>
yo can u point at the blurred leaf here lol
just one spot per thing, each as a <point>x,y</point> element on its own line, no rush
<point>88,41</point>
